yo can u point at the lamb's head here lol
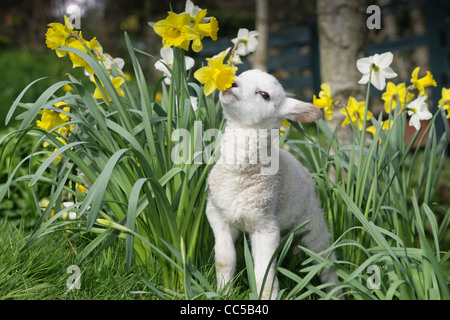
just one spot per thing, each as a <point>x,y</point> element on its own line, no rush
<point>257,100</point>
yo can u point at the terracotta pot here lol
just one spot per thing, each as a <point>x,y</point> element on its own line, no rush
<point>410,131</point>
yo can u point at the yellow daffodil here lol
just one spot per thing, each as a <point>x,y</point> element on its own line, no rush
<point>445,101</point>
<point>80,187</point>
<point>284,124</point>
<point>324,101</point>
<point>394,92</point>
<point>58,158</point>
<point>422,83</point>
<point>385,125</point>
<point>127,76</point>
<point>51,119</point>
<point>202,30</point>
<point>179,29</point>
<point>217,75</point>
<point>46,144</point>
<point>355,114</point>
<point>372,130</point>
<point>117,82</point>
<point>77,60</point>
<point>67,88</point>
<point>59,35</point>
<point>175,30</point>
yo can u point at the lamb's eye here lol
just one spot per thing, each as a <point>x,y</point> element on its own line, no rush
<point>264,95</point>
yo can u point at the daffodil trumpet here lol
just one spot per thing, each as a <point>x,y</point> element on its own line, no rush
<point>216,75</point>
<point>444,102</point>
<point>325,101</point>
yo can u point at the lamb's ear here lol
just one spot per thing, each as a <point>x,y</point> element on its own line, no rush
<point>297,110</point>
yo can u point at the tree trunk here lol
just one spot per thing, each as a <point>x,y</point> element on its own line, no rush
<point>342,31</point>
<point>259,58</point>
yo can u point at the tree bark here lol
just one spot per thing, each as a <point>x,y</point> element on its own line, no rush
<point>342,31</point>
<point>259,58</point>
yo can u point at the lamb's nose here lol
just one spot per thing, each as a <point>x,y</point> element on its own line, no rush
<point>234,85</point>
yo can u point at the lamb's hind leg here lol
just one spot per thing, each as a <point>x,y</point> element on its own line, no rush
<point>264,244</point>
<point>316,237</point>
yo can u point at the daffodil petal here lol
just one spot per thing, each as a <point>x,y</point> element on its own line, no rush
<point>364,79</point>
<point>388,73</point>
<point>363,65</point>
<point>378,80</point>
<point>385,60</point>
<point>209,87</point>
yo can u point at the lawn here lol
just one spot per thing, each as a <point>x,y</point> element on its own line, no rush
<point>41,271</point>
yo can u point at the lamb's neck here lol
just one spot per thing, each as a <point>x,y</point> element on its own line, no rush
<point>247,146</point>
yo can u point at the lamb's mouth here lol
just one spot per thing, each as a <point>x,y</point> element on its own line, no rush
<point>229,91</point>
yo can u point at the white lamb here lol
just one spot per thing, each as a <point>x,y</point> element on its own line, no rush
<point>242,195</point>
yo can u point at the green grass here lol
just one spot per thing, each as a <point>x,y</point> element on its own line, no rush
<point>40,272</point>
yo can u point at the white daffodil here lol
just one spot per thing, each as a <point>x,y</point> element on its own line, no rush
<point>110,62</point>
<point>418,111</point>
<point>167,62</point>
<point>72,215</point>
<point>378,64</point>
<point>232,60</point>
<point>247,41</point>
<point>193,10</point>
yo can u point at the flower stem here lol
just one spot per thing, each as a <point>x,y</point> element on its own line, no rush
<point>229,57</point>
<point>361,143</point>
<point>77,36</point>
<point>365,112</point>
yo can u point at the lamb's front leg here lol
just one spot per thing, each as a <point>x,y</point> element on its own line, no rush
<point>225,256</point>
<point>264,243</point>
<point>225,252</point>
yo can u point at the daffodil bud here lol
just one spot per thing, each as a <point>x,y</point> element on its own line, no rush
<point>112,224</point>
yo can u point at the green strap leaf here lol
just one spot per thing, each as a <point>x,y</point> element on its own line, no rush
<point>95,196</point>
<point>132,213</point>
<point>40,102</point>
<point>19,97</point>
